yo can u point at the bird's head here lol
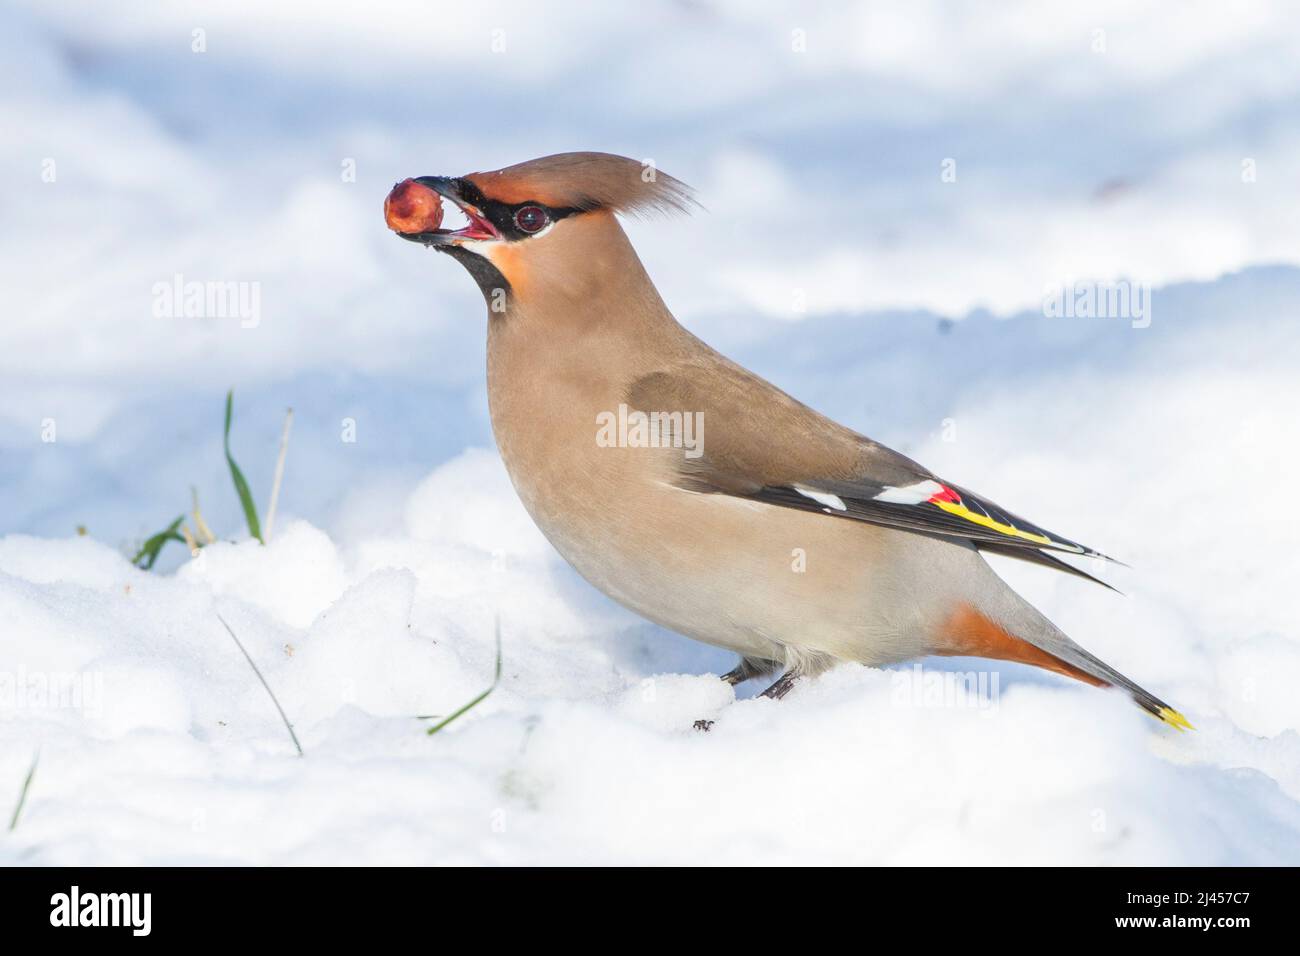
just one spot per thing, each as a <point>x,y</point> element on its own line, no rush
<point>547,225</point>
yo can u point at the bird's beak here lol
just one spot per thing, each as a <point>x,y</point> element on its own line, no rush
<point>478,229</point>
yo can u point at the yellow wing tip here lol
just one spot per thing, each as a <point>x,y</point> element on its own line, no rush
<point>1174,718</point>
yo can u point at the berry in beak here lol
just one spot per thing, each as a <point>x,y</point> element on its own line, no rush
<point>414,211</point>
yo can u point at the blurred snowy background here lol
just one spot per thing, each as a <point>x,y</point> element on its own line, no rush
<point>891,190</point>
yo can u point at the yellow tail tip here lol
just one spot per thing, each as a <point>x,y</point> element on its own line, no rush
<point>1174,718</point>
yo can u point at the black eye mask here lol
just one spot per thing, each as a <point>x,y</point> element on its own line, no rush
<point>502,215</point>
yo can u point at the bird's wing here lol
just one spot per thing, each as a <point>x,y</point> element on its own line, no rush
<point>759,443</point>
<point>927,505</point>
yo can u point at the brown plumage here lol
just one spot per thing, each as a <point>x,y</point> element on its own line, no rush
<point>587,181</point>
<point>784,536</point>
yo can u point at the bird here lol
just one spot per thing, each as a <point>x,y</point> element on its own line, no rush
<point>696,493</point>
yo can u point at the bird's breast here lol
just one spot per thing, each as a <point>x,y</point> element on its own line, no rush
<point>722,569</point>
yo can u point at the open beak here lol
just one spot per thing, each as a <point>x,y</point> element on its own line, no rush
<point>478,229</point>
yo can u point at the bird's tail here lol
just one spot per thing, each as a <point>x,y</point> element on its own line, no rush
<point>1025,636</point>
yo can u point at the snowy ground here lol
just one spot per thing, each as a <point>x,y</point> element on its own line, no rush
<point>910,308</point>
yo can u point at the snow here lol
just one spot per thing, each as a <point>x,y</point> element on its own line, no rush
<point>907,307</point>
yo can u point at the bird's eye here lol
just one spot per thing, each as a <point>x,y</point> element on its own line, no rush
<point>531,218</point>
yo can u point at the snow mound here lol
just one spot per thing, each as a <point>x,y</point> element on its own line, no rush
<point>159,745</point>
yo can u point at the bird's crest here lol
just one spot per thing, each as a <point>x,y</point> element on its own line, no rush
<point>588,181</point>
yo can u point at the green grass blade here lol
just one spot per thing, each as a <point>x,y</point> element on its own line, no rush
<point>496,679</point>
<point>22,796</point>
<point>237,476</point>
<point>270,693</point>
<point>148,552</point>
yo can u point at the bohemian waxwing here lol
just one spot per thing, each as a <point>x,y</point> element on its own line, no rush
<point>686,487</point>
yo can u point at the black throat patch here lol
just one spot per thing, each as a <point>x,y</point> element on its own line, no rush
<point>496,290</point>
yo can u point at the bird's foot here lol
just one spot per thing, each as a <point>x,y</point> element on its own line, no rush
<point>782,686</point>
<point>743,672</point>
<point>747,668</point>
